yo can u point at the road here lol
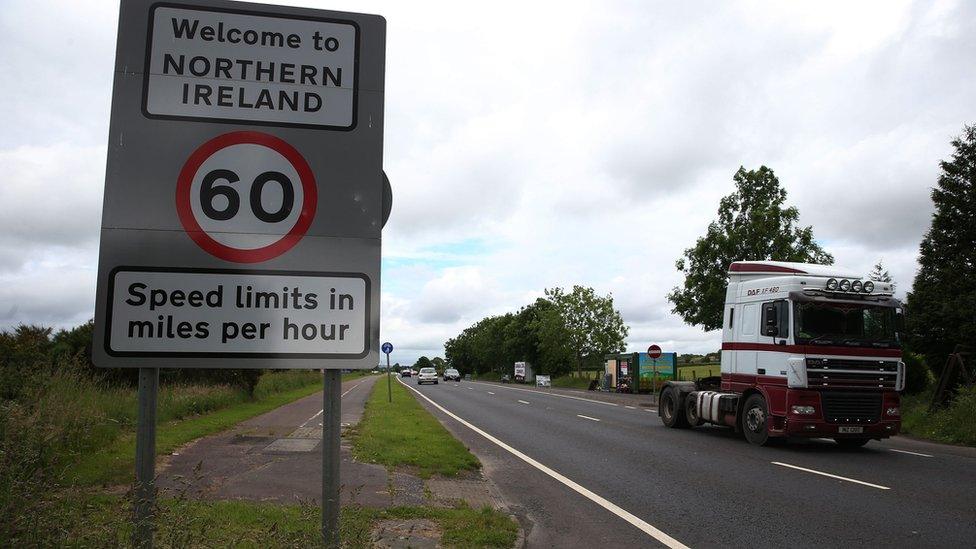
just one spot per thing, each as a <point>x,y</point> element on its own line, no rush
<point>588,472</point>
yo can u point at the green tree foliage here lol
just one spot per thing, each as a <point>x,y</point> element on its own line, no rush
<point>422,362</point>
<point>591,323</point>
<point>438,363</point>
<point>942,304</point>
<point>753,224</point>
<point>540,334</point>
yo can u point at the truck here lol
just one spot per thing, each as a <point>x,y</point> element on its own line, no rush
<point>807,351</point>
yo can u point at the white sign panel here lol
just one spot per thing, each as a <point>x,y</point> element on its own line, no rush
<point>231,65</point>
<point>196,312</point>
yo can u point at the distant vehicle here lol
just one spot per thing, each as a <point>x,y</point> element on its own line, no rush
<point>405,373</point>
<point>506,378</point>
<point>452,374</point>
<point>427,375</point>
<point>807,351</point>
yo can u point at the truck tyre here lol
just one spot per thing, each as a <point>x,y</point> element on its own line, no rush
<point>691,412</point>
<point>754,419</point>
<point>851,442</point>
<point>671,413</point>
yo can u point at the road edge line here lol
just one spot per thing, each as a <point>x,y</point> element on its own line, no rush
<point>831,475</point>
<point>635,521</point>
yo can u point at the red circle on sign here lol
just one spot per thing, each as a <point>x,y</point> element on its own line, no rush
<point>654,351</point>
<point>238,255</point>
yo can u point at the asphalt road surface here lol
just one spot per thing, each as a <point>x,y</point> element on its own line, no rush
<point>588,473</point>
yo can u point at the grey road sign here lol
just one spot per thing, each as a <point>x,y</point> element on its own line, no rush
<point>244,192</point>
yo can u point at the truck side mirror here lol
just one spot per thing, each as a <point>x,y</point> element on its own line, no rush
<point>770,320</point>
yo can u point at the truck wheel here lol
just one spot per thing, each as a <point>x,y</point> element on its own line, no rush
<point>691,412</point>
<point>851,442</point>
<point>754,416</point>
<point>671,412</point>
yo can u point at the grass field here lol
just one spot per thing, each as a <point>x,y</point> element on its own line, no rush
<point>405,434</point>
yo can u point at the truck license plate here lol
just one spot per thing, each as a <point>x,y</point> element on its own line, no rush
<point>845,429</point>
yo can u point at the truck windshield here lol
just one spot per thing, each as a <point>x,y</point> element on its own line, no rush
<point>845,324</point>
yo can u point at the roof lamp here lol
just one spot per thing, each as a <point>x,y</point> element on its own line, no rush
<point>856,286</point>
<point>832,284</point>
<point>868,287</point>
<point>845,285</point>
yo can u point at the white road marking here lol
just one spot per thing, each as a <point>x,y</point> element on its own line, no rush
<point>560,396</point>
<point>630,407</point>
<point>632,519</point>
<point>490,393</point>
<point>317,414</point>
<point>649,410</point>
<point>523,402</point>
<point>911,453</point>
<point>587,417</point>
<point>838,477</point>
<point>471,388</point>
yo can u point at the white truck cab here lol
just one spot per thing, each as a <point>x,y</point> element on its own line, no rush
<point>807,351</point>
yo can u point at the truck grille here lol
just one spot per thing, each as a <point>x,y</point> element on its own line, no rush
<point>851,407</point>
<point>853,374</point>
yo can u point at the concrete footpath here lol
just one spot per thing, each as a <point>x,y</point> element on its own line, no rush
<point>278,457</point>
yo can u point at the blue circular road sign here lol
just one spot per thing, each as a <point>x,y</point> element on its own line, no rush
<point>387,347</point>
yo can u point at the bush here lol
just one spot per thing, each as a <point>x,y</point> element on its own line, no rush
<point>918,376</point>
<point>954,424</point>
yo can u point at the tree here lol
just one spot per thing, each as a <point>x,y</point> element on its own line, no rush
<point>753,224</point>
<point>942,304</point>
<point>422,362</point>
<point>880,274</point>
<point>438,363</point>
<point>591,324</point>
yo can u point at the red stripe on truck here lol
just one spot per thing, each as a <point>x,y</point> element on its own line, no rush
<point>812,349</point>
<point>739,267</point>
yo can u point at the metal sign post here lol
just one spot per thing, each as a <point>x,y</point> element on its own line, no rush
<point>387,349</point>
<point>331,433</point>
<point>244,204</point>
<point>144,493</point>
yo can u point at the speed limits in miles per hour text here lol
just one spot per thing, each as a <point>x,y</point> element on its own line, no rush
<point>252,313</point>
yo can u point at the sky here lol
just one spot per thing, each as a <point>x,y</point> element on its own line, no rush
<point>540,144</point>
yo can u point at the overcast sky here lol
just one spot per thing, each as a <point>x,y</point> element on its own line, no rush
<point>541,144</point>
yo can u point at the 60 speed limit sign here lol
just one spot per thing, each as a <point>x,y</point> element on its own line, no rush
<point>244,190</point>
<point>246,196</point>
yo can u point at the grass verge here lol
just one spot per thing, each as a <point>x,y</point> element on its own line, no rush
<point>103,520</point>
<point>404,433</point>
<point>114,462</point>
<point>955,424</point>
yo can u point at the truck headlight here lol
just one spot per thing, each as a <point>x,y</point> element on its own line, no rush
<point>893,411</point>
<point>803,410</point>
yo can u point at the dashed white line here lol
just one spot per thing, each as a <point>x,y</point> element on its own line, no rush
<point>911,453</point>
<point>650,410</point>
<point>587,417</point>
<point>317,414</point>
<point>630,407</point>
<point>562,396</point>
<point>632,519</point>
<point>524,401</point>
<point>490,393</point>
<point>838,477</point>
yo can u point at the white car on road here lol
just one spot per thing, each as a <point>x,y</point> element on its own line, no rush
<point>427,375</point>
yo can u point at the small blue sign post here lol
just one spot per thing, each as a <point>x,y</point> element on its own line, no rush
<point>387,348</point>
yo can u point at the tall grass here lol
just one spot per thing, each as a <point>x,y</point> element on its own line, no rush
<point>955,424</point>
<point>61,412</point>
